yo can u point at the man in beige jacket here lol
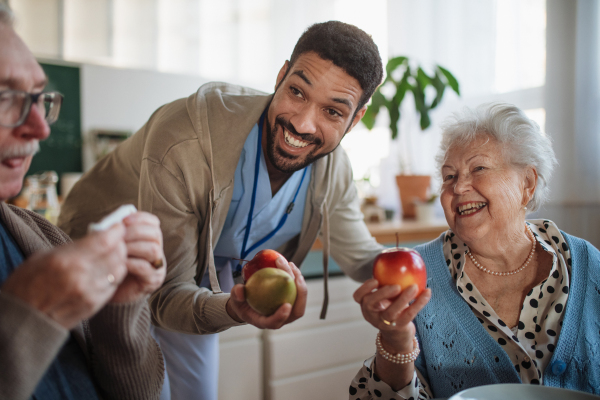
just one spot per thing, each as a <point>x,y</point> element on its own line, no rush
<point>74,321</point>
<point>189,165</point>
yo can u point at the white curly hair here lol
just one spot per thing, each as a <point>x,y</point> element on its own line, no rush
<point>522,141</point>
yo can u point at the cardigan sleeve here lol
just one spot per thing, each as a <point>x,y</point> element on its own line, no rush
<point>351,244</point>
<point>180,305</point>
<point>126,362</point>
<point>29,342</point>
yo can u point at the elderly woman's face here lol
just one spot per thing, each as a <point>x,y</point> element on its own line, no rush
<point>481,192</point>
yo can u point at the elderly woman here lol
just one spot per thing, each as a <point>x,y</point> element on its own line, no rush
<point>509,300</point>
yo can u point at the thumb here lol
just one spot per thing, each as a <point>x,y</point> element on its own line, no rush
<point>237,293</point>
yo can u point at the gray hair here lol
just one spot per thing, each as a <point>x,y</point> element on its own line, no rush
<point>6,14</point>
<point>521,138</point>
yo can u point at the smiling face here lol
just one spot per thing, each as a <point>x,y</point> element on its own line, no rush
<point>313,107</point>
<point>19,71</point>
<point>482,194</point>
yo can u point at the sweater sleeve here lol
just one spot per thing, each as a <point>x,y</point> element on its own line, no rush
<point>126,362</point>
<point>352,245</point>
<point>180,305</point>
<point>29,342</point>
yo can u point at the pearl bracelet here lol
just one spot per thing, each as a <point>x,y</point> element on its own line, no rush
<point>400,358</point>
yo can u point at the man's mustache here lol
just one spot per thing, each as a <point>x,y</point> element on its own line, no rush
<point>307,137</point>
<point>19,151</point>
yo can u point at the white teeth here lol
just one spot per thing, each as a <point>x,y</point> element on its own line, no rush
<point>470,208</point>
<point>293,141</point>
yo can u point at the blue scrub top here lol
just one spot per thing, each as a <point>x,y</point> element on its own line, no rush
<point>268,211</point>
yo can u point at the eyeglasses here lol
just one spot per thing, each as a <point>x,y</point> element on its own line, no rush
<point>15,106</point>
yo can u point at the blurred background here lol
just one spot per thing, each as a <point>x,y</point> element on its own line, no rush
<point>131,56</point>
<point>118,60</point>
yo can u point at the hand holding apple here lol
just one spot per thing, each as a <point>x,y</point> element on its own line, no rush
<point>239,309</point>
<point>400,266</point>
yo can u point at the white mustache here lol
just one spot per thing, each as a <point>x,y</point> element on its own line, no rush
<point>19,151</point>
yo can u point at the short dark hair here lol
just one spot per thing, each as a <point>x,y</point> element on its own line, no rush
<point>349,48</point>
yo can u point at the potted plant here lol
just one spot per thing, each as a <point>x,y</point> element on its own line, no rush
<point>401,78</point>
<point>425,210</point>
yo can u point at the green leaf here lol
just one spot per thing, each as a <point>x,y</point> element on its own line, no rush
<point>440,87</point>
<point>401,89</point>
<point>452,82</point>
<point>392,64</point>
<point>369,118</point>
<point>377,101</point>
<point>421,106</point>
<point>394,111</point>
<point>423,78</point>
<point>425,121</point>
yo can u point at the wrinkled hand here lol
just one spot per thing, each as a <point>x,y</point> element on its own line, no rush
<point>71,282</point>
<point>240,310</point>
<point>392,304</point>
<point>144,242</point>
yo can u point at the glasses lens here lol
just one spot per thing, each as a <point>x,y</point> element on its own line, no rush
<point>51,103</point>
<point>13,107</point>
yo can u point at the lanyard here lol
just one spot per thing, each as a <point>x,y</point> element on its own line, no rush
<point>288,210</point>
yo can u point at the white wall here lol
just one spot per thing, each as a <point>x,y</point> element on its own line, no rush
<point>123,99</point>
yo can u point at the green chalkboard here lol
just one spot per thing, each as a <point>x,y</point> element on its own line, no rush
<point>61,152</point>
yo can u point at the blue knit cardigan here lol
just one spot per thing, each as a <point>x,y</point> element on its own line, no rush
<point>457,353</point>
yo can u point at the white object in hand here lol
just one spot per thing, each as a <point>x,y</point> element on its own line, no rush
<point>113,218</point>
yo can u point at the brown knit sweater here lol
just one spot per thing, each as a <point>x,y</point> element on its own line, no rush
<point>125,362</point>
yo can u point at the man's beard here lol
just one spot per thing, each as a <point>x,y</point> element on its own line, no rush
<point>283,161</point>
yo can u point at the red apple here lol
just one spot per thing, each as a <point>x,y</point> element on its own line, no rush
<point>262,259</point>
<point>400,266</point>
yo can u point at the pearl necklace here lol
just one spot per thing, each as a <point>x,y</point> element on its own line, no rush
<point>514,271</point>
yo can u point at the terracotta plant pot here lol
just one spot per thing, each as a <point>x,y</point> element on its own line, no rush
<point>412,187</point>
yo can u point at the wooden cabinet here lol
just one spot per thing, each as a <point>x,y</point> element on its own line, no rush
<point>308,359</point>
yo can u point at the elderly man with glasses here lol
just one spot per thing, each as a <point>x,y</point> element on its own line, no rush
<point>74,321</point>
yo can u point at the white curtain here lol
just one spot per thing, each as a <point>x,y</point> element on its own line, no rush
<point>587,101</point>
<point>572,98</point>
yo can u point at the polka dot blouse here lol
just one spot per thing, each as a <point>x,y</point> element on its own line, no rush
<point>529,345</point>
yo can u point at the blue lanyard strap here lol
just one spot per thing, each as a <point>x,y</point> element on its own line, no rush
<point>251,213</point>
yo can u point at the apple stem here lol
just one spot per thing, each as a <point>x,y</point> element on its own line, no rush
<point>239,259</point>
<point>397,240</point>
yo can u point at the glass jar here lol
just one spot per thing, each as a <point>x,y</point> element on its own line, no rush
<point>42,196</point>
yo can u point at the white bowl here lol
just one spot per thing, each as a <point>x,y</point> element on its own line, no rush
<point>514,391</point>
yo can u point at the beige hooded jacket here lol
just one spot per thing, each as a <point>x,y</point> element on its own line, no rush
<point>180,166</point>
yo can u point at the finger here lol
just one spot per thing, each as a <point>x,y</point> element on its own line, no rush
<point>149,251</point>
<point>103,241</point>
<point>237,293</point>
<point>411,311</point>
<point>277,319</point>
<point>148,278</point>
<point>380,299</point>
<point>401,302</point>
<point>299,307</point>
<point>282,263</point>
<point>142,217</point>
<point>143,232</point>
<point>365,289</point>
<point>112,263</point>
